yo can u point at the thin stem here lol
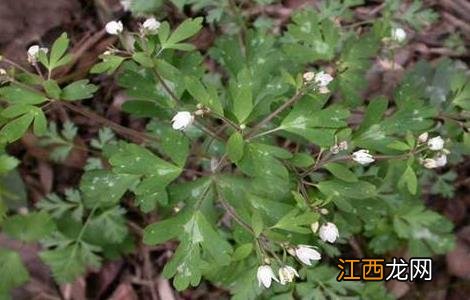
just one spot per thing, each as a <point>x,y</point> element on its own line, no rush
<point>136,135</point>
<point>87,221</point>
<point>271,116</point>
<point>14,64</point>
<point>165,86</point>
<point>231,211</point>
<point>226,120</point>
<point>348,157</point>
<point>177,101</point>
<point>265,133</point>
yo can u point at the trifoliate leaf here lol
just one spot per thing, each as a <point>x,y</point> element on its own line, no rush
<point>235,145</point>
<point>297,221</point>
<point>354,190</point>
<point>79,90</point>
<point>16,94</point>
<point>318,127</point>
<point>58,207</point>
<point>185,30</point>
<point>112,223</point>
<point>174,143</point>
<point>15,129</point>
<point>212,242</point>
<point>13,272</point>
<point>52,89</point>
<point>201,95</point>
<point>70,262</point>
<point>109,64</point>
<point>134,159</point>
<point>341,172</point>
<point>149,192</point>
<point>409,180</point>
<point>310,39</point>
<point>7,163</point>
<point>165,230</point>
<point>184,266</point>
<point>242,95</point>
<point>58,50</point>
<point>356,58</point>
<point>104,187</point>
<point>242,252</point>
<point>29,228</point>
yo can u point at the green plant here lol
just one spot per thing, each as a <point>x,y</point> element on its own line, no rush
<point>241,165</point>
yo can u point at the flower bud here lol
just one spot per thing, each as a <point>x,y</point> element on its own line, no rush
<point>398,34</point>
<point>436,143</point>
<point>363,157</point>
<point>323,79</point>
<point>423,137</point>
<point>182,120</point>
<point>314,227</point>
<point>328,232</point>
<point>308,76</point>
<point>287,274</point>
<point>265,276</point>
<point>199,112</point>
<point>306,254</point>
<point>33,53</point>
<point>436,162</point>
<point>114,27</point>
<point>151,26</point>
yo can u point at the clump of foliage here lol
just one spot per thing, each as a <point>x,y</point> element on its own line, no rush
<point>252,167</point>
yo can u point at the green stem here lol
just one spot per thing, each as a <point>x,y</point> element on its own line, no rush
<point>271,116</point>
<point>265,133</point>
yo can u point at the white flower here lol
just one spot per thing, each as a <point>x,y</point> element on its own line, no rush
<point>329,232</point>
<point>309,76</point>
<point>398,35</point>
<point>436,143</point>
<point>323,79</point>
<point>306,254</point>
<point>182,120</point>
<point>314,227</point>
<point>363,157</point>
<point>441,160</point>
<point>423,137</point>
<point>324,211</point>
<point>3,72</point>
<point>265,276</point>
<point>287,274</point>
<point>114,27</point>
<point>33,52</point>
<point>436,162</point>
<point>151,25</point>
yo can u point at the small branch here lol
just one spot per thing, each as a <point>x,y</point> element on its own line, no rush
<point>280,109</point>
<point>148,270</point>
<point>165,86</point>
<point>231,211</point>
<point>131,133</point>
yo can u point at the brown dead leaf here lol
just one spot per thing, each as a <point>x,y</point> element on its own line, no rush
<point>458,260</point>
<point>124,292</point>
